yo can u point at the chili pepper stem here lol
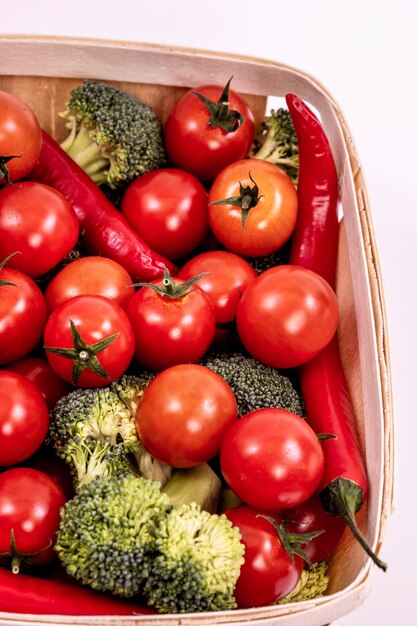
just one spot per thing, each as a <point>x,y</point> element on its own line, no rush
<point>343,498</point>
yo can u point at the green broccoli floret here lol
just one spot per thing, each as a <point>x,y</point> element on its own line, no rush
<point>114,136</point>
<point>279,257</point>
<point>256,386</point>
<point>312,583</point>
<point>198,562</point>
<point>130,388</point>
<point>107,535</point>
<point>277,143</point>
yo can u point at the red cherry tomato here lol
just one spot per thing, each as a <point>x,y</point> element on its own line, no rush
<point>40,373</point>
<point>168,209</point>
<point>40,223</point>
<point>272,459</point>
<point>30,504</point>
<point>310,516</point>
<point>95,319</point>
<point>227,277</point>
<point>184,414</point>
<point>196,146</point>
<point>169,331</point>
<point>268,572</point>
<point>93,275</point>
<point>22,315</point>
<point>271,214</point>
<point>24,419</point>
<point>20,136</point>
<point>287,316</point>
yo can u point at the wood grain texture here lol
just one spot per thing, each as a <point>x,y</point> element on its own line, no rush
<point>43,70</point>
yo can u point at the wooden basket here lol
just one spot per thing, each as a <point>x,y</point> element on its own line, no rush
<point>42,71</point>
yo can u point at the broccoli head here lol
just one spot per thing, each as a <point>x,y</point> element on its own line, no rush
<point>197,562</point>
<point>312,583</point>
<point>279,257</point>
<point>277,143</point>
<point>114,136</point>
<point>107,534</point>
<point>256,386</point>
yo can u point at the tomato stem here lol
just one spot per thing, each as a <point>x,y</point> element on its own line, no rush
<point>4,172</point>
<point>170,288</point>
<point>221,116</point>
<point>247,199</point>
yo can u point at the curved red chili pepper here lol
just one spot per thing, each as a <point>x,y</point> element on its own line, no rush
<point>106,232</point>
<point>326,396</point>
<point>26,594</point>
<point>315,240</point>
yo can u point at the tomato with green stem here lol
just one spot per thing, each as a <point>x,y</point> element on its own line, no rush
<point>252,207</point>
<point>89,341</point>
<point>273,556</point>
<point>209,128</point>
<point>30,503</point>
<point>173,322</point>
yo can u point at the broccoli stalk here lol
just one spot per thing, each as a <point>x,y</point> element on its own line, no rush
<point>198,484</point>
<point>277,143</point>
<point>113,136</point>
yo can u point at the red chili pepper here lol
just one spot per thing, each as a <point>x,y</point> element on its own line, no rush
<point>106,232</point>
<point>326,396</point>
<point>27,594</point>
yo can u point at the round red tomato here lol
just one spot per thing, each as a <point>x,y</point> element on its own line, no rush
<point>40,373</point>
<point>22,315</point>
<point>172,324</point>
<point>30,503</point>
<point>204,143</point>
<point>168,209</point>
<point>20,136</point>
<point>272,459</point>
<point>40,223</point>
<point>268,572</point>
<point>89,341</point>
<point>309,517</point>
<point>24,419</point>
<point>93,275</point>
<point>184,414</point>
<point>227,277</point>
<point>287,316</point>
<point>263,213</point>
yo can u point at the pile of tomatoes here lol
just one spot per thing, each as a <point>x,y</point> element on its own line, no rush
<point>84,323</point>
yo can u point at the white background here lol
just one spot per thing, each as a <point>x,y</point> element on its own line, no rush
<point>364,52</point>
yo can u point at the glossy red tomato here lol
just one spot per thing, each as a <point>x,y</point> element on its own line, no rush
<point>30,503</point>
<point>40,223</point>
<point>271,207</point>
<point>40,373</point>
<point>168,209</point>
<point>22,315</point>
<point>184,414</point>
<point>287,316</point>
<point>196,144</point>
<point>24,419</point>
<point>310,516</point>
<point>20,136</point>
<point>268,572</point>
<point>227,277</point>
<point>171,330</point>
<point>95,334</point>
<point>90,276</point>
<point>272,459</point>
